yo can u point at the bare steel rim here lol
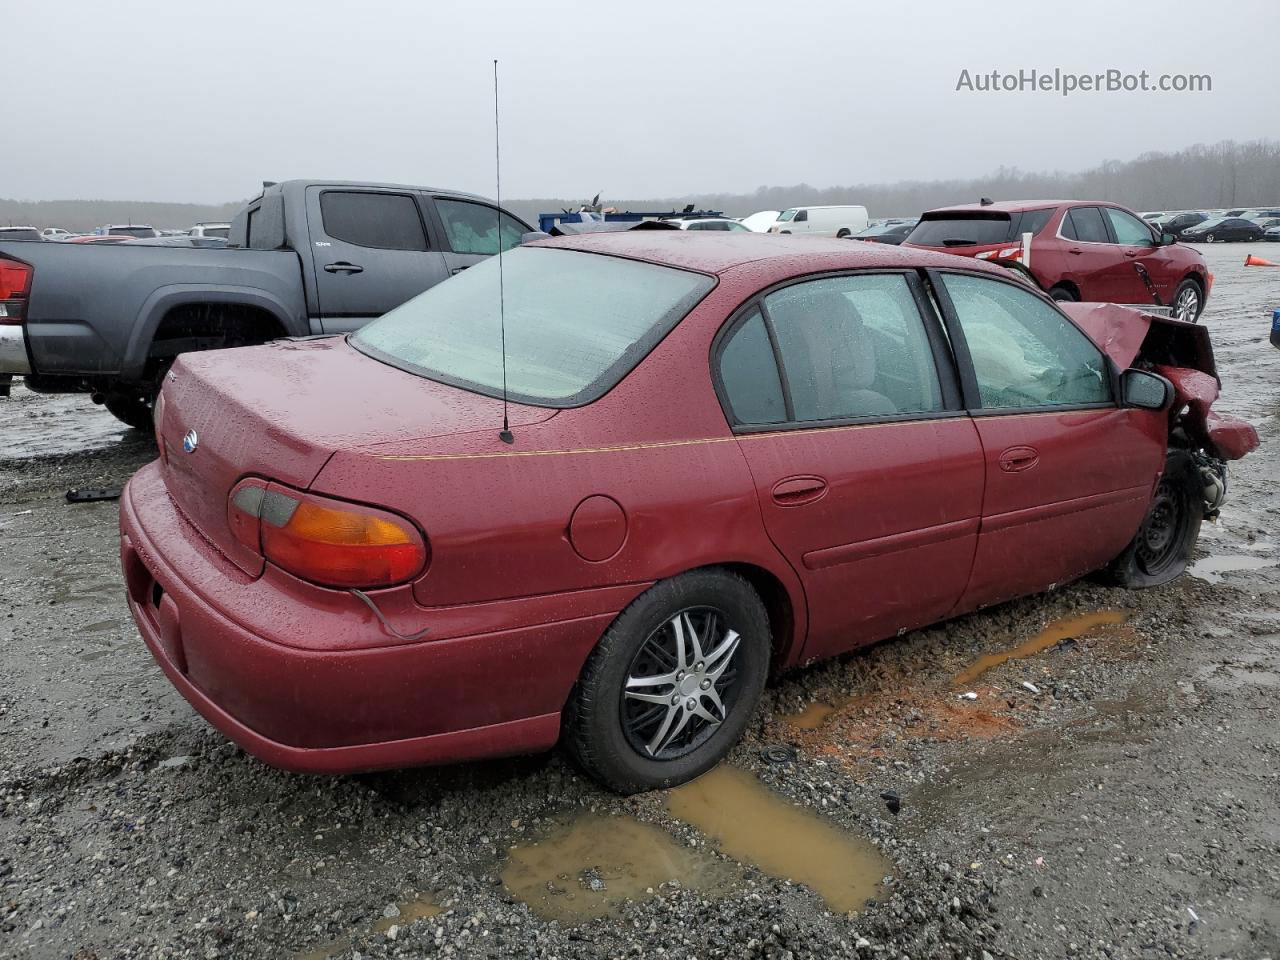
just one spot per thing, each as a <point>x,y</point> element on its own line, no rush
<point>681,685</point>
<point>1187,306</point>
<point>1164,531</point>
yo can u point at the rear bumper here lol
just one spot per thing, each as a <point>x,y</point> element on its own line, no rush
<point>326,709</point>
<point>13,349</point>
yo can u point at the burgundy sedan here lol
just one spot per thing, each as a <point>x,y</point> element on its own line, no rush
<point>727,455</point>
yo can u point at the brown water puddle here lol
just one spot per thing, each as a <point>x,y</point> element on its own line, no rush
<point>754,825</point>
<point>1053,634</point>
<point>410,911</point>
<point>588,867</point>
<point>1215,568</point>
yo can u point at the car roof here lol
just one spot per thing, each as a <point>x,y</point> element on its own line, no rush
<point>1014,206</point>
<point>719,252</point>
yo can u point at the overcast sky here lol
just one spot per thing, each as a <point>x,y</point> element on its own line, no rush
<point>169,100</point>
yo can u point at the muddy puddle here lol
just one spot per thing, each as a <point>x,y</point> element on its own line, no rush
<point>1214,569</point>
<point>589,866</point>
<point>60,424</point>
<point>399,915</point>
<point>1055,633</point>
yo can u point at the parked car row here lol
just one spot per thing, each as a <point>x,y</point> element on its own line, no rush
<point>1213,226</point>
<point>114,233</point>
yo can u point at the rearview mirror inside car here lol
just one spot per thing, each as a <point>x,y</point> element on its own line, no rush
<point>1146,391</point>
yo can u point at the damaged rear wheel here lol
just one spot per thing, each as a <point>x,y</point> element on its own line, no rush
<point>1161,549</point>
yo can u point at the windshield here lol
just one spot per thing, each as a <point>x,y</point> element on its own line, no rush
<point>215,231</point>
<point>131,232</point>
<point>953,230</point>
<point>786,215</point>
<point>576,323</point>
<point>1211,223</point>
<point>19,233</point>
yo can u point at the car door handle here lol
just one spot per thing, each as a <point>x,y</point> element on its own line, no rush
<point>794,491</point>
<point>1132,253</point>
<point>1075,250</point>
<point>1018,459</point>
<point>457,270</point>
<point>342,267</point>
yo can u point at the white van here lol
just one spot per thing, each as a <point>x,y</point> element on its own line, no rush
<point>842,221</point>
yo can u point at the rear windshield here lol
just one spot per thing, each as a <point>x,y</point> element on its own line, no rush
<point>131,232</point>
<point>17,233</point>
<point>962,230</point>
<point>576,324</point>
<point>216,231</point>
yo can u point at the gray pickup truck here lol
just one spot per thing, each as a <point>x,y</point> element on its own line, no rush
<point>304,258</point>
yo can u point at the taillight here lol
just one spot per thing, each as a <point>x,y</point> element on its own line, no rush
<point>157,424</point>
<point>15,286</point>
<point>325,541</point>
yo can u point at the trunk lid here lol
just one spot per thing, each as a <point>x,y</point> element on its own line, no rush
<point>279,411</point>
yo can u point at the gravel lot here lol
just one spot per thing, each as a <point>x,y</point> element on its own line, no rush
<point>1128,806</point>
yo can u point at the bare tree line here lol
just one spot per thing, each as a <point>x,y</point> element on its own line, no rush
<point>1220,175</point>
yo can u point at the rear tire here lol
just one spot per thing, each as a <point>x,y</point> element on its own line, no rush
<point>614,723</point>
<point>1161,549</point>
<point>131,410</point>
<point>842,233</point>
<point>1063,294</point>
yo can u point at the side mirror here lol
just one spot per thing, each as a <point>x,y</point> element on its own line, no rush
<point>1145,391</point>
<point>1167,238</point>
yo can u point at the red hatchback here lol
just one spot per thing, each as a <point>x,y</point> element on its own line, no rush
<point>1080,250</point>
<point>726,455</point>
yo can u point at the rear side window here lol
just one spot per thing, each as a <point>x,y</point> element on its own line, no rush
<point>473,227</point>
<point>962,231</point>
<point>749,374</point>
<point>1024,352</point>
<point>1033,221</point>
<point>854,347</point>
<point>1086,225</point>
<point>385,221</point>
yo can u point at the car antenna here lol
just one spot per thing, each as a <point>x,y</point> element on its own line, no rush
<point>505,434</point>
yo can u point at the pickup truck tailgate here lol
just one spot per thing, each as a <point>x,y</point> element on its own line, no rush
<point>280,410</point>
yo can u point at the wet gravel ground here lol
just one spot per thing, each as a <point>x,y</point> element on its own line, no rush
<point>1128,807</point>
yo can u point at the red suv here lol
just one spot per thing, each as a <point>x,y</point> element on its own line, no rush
<point>1080,250</point>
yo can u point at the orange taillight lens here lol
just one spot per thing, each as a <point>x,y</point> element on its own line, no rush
<point>329,542</point>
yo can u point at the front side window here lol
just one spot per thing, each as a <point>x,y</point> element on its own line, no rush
<point>473,227</point>
<point>854,347</point>
<point>749,374</point>
<point>1025,353</point>
<point>802,216</point>
<point>575,324</point>
<point>384,221</point>
<point>1130,231</point>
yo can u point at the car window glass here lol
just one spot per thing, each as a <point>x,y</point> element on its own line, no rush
<point>854,347</point>
<point>749,374</point>
<point>735,225</point>
<point>385,221</point>
<point>1088,225</point>
<point>473,227</point>
<point>1129,230</point>
<point>1033,221</point>
<point>801,216</point>
<point>1025,353</point>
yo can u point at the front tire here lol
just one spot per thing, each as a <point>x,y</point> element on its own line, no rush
<point>1063,294</point>
<point>1188,302</point>
<point>672,684</point>
<point>1161,549</point>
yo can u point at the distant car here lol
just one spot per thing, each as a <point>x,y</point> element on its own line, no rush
<point>20,233</point>
<point>893,231</point>
<point>99,238</point>
<point>54,233</point>
<point>182,241</point>
<point>1080,250</point>
<point>1261,213</point>
<point>1223,229</point>
<point>710,223</point>
<point>1271,233</point>
<point>833,221</point>
<point>761,221</point>
<point>211,230</point>
<point>1154,215</point>
<point>129,230</point>
<point>1179,222</point>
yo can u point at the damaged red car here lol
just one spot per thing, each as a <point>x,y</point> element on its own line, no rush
<point>722,457</point>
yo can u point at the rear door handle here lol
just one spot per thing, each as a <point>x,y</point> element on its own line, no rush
<point>1018,459</point>
<point>794,491</point>
<point>1075,250</point>
<point>342,267</point>
<point>457,270</point>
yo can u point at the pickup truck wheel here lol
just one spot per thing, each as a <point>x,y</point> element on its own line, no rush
<point>1161,549</point>
<point>131,410</point>
<point>1063,294</point>
<point>671,685</point>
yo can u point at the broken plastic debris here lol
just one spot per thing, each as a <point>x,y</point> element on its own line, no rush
<point>1030,686</point>
<point>968,695</point>
<point>892,801</point>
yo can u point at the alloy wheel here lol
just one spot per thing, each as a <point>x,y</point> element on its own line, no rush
<point>1187,306</point>
<point>681,685</point>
